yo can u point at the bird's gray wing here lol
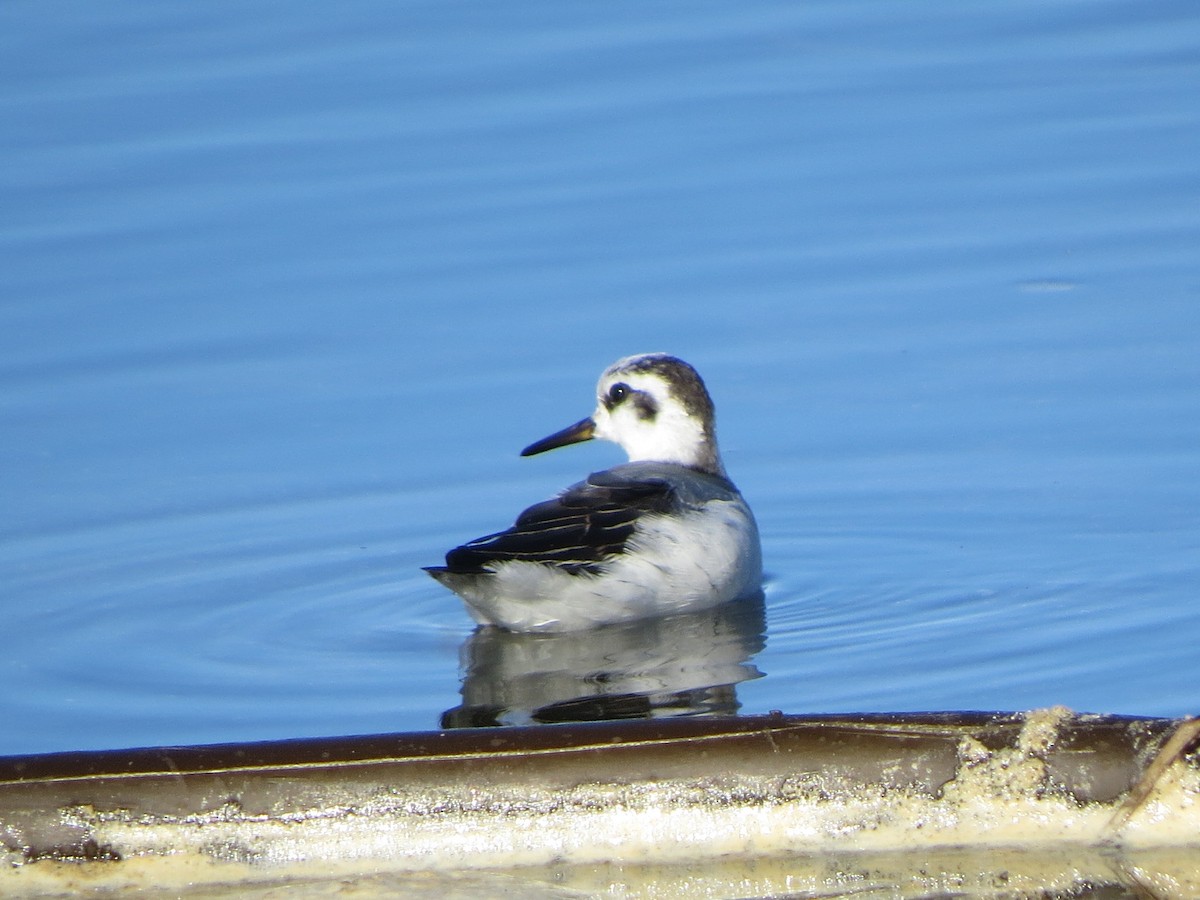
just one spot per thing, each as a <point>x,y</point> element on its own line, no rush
<point>575,531</point>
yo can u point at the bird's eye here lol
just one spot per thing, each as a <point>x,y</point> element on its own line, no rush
<point>617,393</point>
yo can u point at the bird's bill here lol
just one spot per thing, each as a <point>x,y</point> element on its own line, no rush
<point>583,430</point>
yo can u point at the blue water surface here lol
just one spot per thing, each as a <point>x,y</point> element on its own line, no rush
<point>285,287</point>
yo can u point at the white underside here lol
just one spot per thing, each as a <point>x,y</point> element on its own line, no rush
<point>671,565</point>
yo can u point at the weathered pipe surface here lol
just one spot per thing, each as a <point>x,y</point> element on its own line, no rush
<point>657,792</point>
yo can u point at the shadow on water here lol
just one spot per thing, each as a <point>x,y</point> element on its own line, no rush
<point>686,665</point>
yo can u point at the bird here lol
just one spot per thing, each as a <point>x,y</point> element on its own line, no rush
<point>665,533</point>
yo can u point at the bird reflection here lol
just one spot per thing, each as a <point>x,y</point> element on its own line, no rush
<point>685,665</point>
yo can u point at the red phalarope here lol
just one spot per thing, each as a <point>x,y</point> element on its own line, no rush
<point>665,533</point>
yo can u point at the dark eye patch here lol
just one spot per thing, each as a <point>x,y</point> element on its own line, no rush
<point>642,402</point>
<point>646,408</point>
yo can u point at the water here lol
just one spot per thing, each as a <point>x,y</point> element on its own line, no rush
<point>284,291</point>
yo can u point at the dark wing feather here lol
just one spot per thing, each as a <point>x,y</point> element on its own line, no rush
<point>575,531</point>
